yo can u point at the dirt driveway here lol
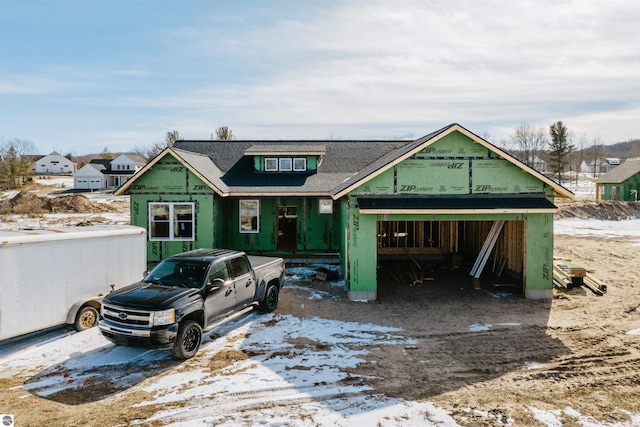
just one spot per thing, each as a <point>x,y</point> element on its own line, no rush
<point>574,351</point>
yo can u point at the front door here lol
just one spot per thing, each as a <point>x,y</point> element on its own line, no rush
<point>220,300</point>
<point>287,228</point>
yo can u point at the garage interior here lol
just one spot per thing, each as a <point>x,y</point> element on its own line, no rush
<point>441,255</point>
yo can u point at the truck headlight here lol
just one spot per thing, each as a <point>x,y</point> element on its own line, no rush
<point>164,317</point>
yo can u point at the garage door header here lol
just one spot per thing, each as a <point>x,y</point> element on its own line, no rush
<point>456,204</point>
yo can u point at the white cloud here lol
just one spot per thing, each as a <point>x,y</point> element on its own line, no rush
<point>370,69</point>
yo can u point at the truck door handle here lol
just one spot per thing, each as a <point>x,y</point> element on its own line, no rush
<point>248,283</point>
<point>226,294</point>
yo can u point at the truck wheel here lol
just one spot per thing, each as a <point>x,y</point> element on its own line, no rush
<point>188,340</point>
<point>270,301</point>
<point>86,318</point>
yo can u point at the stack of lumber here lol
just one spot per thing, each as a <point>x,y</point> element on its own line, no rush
<point>567,274</point>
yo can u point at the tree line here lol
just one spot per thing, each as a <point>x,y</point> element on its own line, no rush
<point>557,144</point>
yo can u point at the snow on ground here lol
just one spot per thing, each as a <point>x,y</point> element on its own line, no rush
<point>301,378</point>
<point>557,418</point>
<point>584,187</point>
<point>593,227</point>
<point>45,221</point>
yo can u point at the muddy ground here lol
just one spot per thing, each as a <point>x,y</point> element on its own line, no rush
<point>573,351</point>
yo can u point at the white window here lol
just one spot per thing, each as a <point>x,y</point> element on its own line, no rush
<point>172,221</point>
<point>285,164</point>
<point>325,206</point>
<point>300,164</point>
<point>249,216</point>
<point>271,164</point>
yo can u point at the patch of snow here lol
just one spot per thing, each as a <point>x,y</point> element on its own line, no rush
<point>592,227</point>
<point>560,417</point>
<point>633,332</point>
<point>481,327</point>
<point>44,221</point>
<point>55,181</point>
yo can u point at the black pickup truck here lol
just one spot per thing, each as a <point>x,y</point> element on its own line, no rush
<point>188,293</point>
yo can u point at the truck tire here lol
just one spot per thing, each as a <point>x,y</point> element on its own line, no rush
<point>188,340</point>
<point>270,300</point>
<point>86,318</point>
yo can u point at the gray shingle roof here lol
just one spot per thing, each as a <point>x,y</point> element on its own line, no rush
<point>342,160</point>
<point>621,173</point>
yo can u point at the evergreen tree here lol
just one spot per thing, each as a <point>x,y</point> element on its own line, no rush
<point>15,165</point>
<point>560,147</point>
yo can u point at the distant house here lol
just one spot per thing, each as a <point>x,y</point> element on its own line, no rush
<point>599,166</point>
<point>99,174</point>
<point>622,183</point>
<point>54,163</point>
<point>539,164</point>
<point>89,177</point>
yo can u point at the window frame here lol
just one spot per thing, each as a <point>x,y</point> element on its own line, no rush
<point>271,168</point>
<point>282,164</point>
<point>241,209</point>
<point>172,222</point>
<point>304,164</point>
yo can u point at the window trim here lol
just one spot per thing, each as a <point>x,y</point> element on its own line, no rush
<point>273,168</point>
<point>172,222</point>
<point>304,164</point>
<point>251,228</point>
<point>281,164</point>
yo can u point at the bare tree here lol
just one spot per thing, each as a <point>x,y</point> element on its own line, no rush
<point>529,142</point>
<point>596,154</point>
<point>150,152</point>
<point>171,137</point>
<point>223,133</point>
<point>578,156</point>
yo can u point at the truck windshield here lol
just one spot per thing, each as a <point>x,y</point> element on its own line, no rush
<point>177,272</point>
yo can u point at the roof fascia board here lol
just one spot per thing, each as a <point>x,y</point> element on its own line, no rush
<point>278,194</point>
<point>285,153</point>
<point>455,211</point>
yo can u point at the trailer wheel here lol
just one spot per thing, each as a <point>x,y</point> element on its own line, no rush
<point>86,318</point>
<point>270,301</point>
<point>188,340</point>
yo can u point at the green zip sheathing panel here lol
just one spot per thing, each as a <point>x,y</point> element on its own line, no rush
<point>170,181</point>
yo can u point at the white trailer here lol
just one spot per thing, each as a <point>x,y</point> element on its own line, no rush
<point>57,276</point>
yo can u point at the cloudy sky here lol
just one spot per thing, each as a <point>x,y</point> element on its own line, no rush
<point>78,76</point>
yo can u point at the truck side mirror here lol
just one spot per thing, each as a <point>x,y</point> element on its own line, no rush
<point>215,284</point>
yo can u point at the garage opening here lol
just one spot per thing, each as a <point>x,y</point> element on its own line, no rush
<point>441,255</point>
